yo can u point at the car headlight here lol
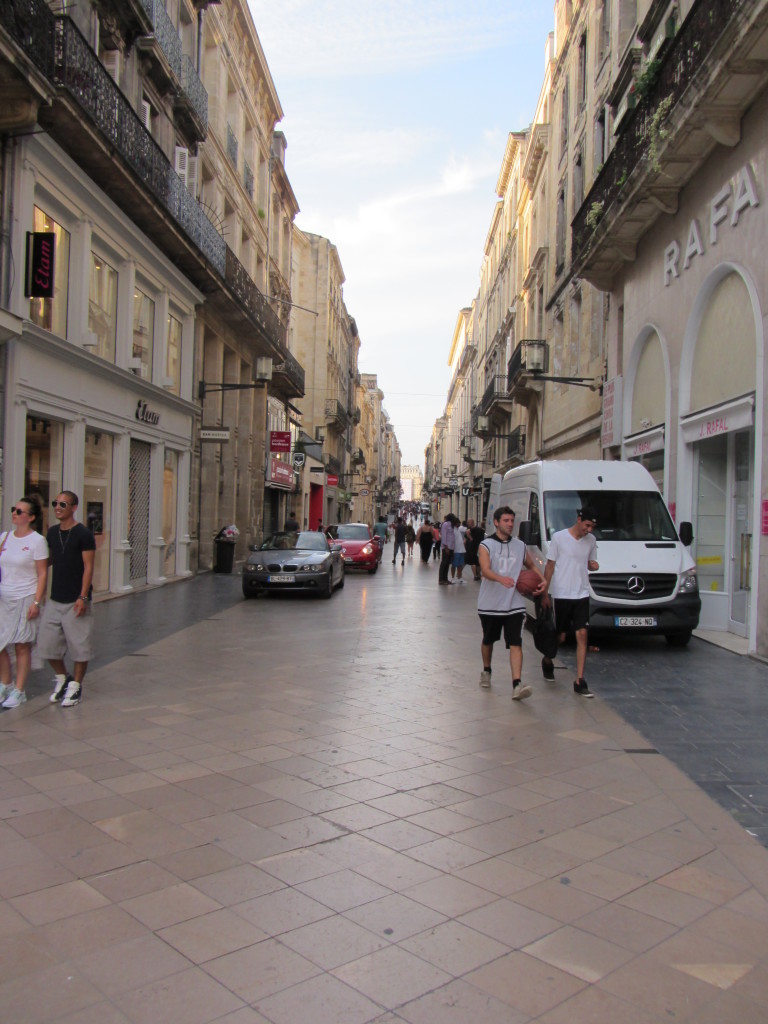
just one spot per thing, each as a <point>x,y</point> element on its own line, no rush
<point>254,567</point>
<point>367,550</point>
<point>313,567</point>
<point>689,583</point>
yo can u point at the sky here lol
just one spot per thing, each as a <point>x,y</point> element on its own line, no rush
<point>397,114</point>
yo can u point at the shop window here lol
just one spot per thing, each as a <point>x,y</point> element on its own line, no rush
<point>711,510</point>
<point>102,307</point>
<point>143,335</point>
<point>51,314</point>
<point>173,356</point>
<point>43,462</point>
<point>96,504</point>
<point>170,495</point>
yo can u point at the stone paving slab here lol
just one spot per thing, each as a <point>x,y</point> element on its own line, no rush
<point>295,809</point>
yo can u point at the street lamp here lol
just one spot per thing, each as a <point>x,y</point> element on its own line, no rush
<point>261,377</point>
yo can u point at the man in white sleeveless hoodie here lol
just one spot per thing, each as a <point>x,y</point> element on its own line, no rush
<point>499,605</point>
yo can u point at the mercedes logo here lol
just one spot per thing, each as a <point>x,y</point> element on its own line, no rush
<point>635,584</point>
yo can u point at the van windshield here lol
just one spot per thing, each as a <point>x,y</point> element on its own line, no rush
<point>621,515</point>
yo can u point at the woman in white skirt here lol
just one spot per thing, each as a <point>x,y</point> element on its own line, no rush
<point>23,583</point>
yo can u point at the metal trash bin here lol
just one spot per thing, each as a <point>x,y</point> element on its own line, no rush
<point>225,554</point>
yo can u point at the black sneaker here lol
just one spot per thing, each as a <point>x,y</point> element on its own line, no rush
<point>547,668</point>
<point>580,687</point>
<point>59,688</point>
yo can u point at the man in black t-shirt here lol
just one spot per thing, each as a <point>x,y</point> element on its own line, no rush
<point>67,622</point>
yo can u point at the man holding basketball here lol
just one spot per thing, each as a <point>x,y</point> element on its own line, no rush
<point>500,604</point>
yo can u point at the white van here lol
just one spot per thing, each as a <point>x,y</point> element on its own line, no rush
<point>647,578</point>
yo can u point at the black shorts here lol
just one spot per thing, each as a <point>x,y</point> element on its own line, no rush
<point>571,614</point>
<point>512,625</point>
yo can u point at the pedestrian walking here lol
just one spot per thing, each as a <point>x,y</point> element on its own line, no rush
<point>399,540</point>
<point>292,523</point>
<point>380,529</point>
<point>570,558</point>
<point>24,569</point>
<point>446,549</point>
<point>499,604</point>
<point>425,539</point>
<point>410,538</point>
<point>436,541</point>
<point>472,539</point>
<point>67,622</point>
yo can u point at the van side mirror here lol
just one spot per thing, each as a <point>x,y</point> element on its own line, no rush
<point>686,533</point>
<point>529,535</point>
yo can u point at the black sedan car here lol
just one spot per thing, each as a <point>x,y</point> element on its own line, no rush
<point>294,561</point>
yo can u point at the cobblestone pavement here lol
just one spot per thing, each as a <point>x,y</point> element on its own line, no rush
<point>290,809</point>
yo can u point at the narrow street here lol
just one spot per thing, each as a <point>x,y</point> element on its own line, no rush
<point>284,809</point>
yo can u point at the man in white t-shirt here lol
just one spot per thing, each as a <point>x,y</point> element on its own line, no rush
<point>570,558</point>
<point>499,604</point>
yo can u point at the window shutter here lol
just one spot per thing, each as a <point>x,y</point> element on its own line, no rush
<point>181,164</point>
<point>146,115</point>
<point>111,61</point>
<point>192,175</point>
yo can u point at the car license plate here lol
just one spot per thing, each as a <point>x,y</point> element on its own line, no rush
<point>349,561</point>
<point>281,577</point>
<point>635,620</point>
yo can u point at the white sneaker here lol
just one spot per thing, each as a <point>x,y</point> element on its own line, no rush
<point>14,698</point>
<point>485,679</point>
<point>59,688</point>
<point>72,694</point>
<point>5,690</point>
<point>521,691</point>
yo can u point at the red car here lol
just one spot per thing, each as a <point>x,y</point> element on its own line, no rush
<point>358,547</point>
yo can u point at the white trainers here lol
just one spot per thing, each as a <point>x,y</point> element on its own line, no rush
<point>15,698</point>
<point>72,694</point>
<point>59,686</point>
<point>521,691</point>
<point>485,679</point>
<point>5,690</point>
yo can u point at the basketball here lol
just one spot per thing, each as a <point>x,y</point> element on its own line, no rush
<point>528,582</point>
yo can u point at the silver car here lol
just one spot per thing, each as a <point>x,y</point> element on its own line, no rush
<point>301,560</point>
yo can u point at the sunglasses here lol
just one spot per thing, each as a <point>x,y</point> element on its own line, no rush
<point>20,512</point>
<point>59,504</point>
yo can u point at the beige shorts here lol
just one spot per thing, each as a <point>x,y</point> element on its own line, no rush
<point>62,631</point>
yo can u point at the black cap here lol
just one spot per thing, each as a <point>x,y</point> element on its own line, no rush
<point>588,513</point>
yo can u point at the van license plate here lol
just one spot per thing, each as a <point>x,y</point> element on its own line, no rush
<point>282,578</point>
<point>635,620</point>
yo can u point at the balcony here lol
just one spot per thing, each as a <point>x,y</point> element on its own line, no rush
<point>531,356</point>
<point>335,414</point>
<point>495,396</point>
<point>191,101</point>
<point>288,376</point>
<point>232,146</point>
<point>691,100</point>
<point>332,465</point>
<point>516,445</point>
<point>260,313</point>
<point>248,179</point>
<point>163,46</point>
<point>94,123</point>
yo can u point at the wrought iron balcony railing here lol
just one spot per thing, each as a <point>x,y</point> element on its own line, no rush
<point>231,145</point>
<point>78,71</point>
<point>254,301</point>
<point>290,375</point>
<point>516,444</point>
<point>335,413</point>
<point>686,57</point>
<point>494,392</point>
<point>332,465</point>
<point>248,178</point>
<point>166,35</point>
<point>31,25</point>
<point>194,90</point>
